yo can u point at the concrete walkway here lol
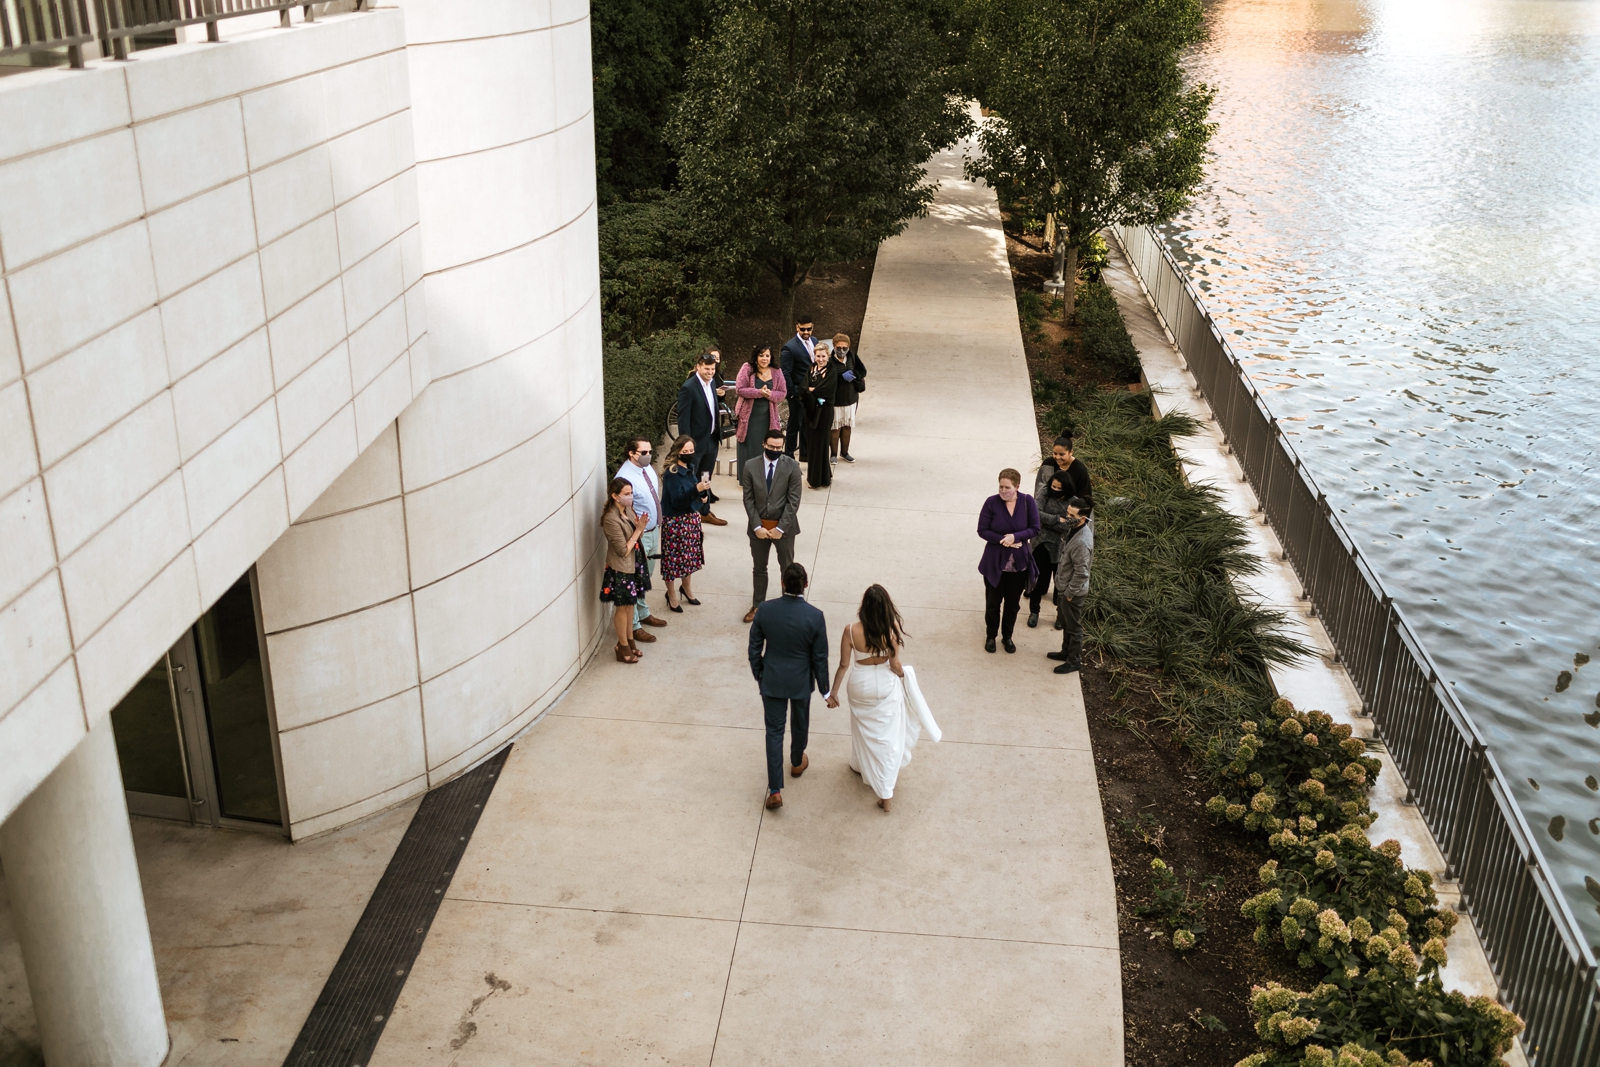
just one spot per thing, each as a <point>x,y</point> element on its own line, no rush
<point>627,900</point>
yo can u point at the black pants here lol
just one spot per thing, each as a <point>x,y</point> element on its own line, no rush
<point>799,714</point>
<point>705,455</point>
<point>794,435</point>
<point>1071,628</point>
<point>760,552</point>
<point>1009,590</point>
<point>1047,570</point>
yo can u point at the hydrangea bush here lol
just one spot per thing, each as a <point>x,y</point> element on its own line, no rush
<point>1334,900</point>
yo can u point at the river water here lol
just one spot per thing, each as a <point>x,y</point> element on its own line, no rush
<point>1400,231</point>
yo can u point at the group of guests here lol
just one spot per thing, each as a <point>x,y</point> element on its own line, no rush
<point>823,381</point>
<point>1031,541</point>
<point>652,516</point>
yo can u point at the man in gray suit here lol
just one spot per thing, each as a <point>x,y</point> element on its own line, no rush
<point>788,656</point>
<point>771,484</point>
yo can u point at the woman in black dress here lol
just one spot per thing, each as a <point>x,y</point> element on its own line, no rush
<point>820,389</point>
<point>683,501</point>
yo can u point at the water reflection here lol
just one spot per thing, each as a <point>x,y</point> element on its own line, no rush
<point>1400,232</point>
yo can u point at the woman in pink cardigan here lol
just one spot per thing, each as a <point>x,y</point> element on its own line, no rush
<point>761,391</point>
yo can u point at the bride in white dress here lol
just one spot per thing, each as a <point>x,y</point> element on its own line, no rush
<point>887,712</point>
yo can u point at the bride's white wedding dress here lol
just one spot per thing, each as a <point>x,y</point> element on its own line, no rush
<point>887,716</point>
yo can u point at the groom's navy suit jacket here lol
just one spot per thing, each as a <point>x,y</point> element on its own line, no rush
<point>789,648</point>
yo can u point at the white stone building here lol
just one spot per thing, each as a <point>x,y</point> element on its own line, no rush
<point>301,446</point>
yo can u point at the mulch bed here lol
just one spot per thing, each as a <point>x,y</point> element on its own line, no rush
<point>835,294</point>
<point>1180,1009</point>
<point>1173,1003</point>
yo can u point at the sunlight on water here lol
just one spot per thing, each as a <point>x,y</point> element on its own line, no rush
<point>1400,236</point>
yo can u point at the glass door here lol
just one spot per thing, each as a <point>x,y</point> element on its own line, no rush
<point>196,736</point>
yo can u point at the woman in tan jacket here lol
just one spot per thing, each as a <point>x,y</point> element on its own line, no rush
<point>623,583</point>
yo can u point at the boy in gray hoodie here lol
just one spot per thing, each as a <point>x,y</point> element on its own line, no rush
<point>1073,560</point>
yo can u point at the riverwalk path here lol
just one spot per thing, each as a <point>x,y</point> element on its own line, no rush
<point>626,899</point>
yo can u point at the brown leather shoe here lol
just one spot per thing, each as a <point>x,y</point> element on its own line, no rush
<point>805,761</point>
<point>641,635</point>
<point>750,616</point>
<point>774,800</point>
<point>711,520</point>
<point>651,620</point>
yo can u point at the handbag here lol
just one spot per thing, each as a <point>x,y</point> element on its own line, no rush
<point>861,379</point>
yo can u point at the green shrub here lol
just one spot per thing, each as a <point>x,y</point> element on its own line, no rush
<point>652,277</point>
<point>1395,1015</point>
<point>1178,903</point>
<point>641,381</point>
<point>1297,764</point>
<point>1104,333</point>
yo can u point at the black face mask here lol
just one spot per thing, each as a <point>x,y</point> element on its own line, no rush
<point>773,453</point>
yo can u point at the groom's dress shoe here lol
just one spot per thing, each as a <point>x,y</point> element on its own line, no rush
<point>774,800</point>
<point>797,771</point>
<point>750,616</point>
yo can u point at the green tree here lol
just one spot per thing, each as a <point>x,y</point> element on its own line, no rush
<point>639,49</point>
<point>804,126</point>
<point>1093,118</point>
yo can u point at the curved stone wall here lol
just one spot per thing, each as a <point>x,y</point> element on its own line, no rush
<point>444,591</point>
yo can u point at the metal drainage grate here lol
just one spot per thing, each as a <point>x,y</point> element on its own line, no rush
<point>348,1018</point>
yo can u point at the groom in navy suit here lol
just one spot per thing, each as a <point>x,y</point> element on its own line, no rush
<point>788,656</point>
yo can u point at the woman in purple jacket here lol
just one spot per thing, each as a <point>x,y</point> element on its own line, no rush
<point>1008,521</point>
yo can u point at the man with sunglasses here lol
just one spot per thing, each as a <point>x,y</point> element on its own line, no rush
<point>795,362</point>
<point>637,471</point>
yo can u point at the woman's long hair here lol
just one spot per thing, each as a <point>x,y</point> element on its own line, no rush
<point>617,485</point>
<point>675,450</point>
<point>880,622</point>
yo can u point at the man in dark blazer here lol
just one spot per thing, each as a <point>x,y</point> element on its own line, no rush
<point>771,484</point>
<point>788,656</point>
<point>697,415</point>
<point>795,362</point>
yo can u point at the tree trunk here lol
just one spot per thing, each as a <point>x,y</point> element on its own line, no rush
<point>1069,291</point>
<point>787,284</point>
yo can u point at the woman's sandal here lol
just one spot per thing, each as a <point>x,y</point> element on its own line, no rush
<point>627,654</point>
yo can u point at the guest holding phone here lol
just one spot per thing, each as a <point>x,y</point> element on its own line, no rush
<point>852,382</point>
<point>684,489</point>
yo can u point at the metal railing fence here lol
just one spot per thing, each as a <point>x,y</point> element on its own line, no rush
<point>1545,968</point>
<point>31,26</point>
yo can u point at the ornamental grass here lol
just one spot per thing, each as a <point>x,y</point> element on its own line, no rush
<point>1164,615</point>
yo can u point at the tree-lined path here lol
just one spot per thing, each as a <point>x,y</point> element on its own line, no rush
<point>627,900</point>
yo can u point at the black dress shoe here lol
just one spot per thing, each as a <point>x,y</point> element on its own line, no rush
<point>988,645</point>
<point>1006,643</point>
<point>691,600</point>
<point>1067,668</point>
<point>1056,655</point>
<point>676,609</point>
<point>1033,619</point>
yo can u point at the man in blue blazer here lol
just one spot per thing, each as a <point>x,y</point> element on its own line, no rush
<point>795,362</point>
<point>788,656</point>
<point>697,416</point>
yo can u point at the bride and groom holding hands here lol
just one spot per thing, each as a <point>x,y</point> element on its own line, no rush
<point>789,657</point>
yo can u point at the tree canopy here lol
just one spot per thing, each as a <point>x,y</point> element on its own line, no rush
<point>804,125</point>
<point>1092,115</point>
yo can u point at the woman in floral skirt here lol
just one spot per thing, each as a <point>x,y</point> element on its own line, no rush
<point>626,578</point>
<point>683,501</point>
